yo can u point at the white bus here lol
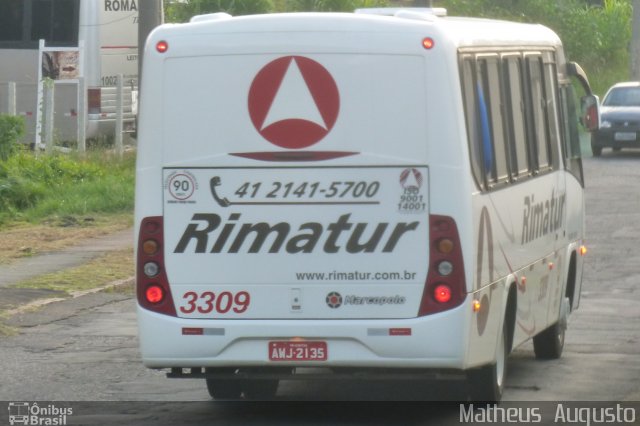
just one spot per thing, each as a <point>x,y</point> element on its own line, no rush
<point>108,33</point>
<point>336,195</point>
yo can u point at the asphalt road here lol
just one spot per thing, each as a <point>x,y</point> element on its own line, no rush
<point>86,349</point>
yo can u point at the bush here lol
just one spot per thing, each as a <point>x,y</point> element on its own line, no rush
<point>597,37</point>
<point>183,11</point>
<point>11,129</point>
<point>35,187</point>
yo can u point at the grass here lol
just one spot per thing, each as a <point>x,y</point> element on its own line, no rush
<point>7,331</point>
<point>35,187</point>
<point>96,274</point>
<point>49,202</point>
<point>113,266</point>
<point>23,239</point>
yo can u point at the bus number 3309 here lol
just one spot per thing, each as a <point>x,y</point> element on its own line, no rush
<point>208,301</point>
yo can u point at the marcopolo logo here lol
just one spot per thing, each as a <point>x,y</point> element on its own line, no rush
<point>293,102</point>
<point>334,300</point>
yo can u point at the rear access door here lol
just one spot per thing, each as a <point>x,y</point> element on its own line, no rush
<point>296,182</point>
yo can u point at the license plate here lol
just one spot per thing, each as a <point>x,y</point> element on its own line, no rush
<point>297,351</point>
<point>625,136</point>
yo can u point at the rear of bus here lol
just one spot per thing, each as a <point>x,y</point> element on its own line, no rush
<point>300,196</point>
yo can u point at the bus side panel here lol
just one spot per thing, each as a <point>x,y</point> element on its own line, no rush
<point>485,325</point>
<point>118,44</point>
<point>519,234</point>
<point>575,233</point>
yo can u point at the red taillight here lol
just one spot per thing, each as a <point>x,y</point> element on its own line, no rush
<point>153,291</point>
<point>442,293</point>
<point>428,43</point>
<point>154,294</point>
<point>94,100</point>
<point>162,46</point>
<point>445,287</point>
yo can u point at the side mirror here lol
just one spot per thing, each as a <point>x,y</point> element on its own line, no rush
<point>590,117</point>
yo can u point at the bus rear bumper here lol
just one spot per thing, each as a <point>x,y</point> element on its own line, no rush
<point>434,342</point>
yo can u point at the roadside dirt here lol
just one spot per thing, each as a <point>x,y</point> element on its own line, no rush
<point>23,240</point>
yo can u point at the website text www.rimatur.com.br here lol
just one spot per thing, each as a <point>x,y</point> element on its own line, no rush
<point>356,276</point>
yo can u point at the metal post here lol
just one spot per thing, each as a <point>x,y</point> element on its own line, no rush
<point>12,98</point>
<point>82,115</point>
<point>119,115</point>
<point>634,72</point>
<point>150,15</point>
<point>49,88</point>
<point>40,99</point>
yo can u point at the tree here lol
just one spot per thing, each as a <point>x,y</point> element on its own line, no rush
<point>182,11</point>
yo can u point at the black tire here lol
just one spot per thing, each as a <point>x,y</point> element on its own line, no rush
<point>261,390</point>
<point>486,384</point>
<point>595,149</point>
<point>549,343</point>
<point>224,389</point>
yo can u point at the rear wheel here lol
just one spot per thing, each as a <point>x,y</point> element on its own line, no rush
<point>229,389</point>
<point>550,343</point>
<point>487,383</point>
<point>261,389</point>
<point>595,149</point>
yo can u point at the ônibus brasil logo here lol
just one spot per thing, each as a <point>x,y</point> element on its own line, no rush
<point>293,102</point>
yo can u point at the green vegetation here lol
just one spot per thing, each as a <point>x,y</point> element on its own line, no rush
<point>595,33</point>
<point>175,11</point>
<point>109,268</point>
<point>35,187</point>
<point>11,129</point>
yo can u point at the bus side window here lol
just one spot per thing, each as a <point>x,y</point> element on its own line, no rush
<point>516,114</point>
<point>11,14</point>
<point>500,171</point>
<point>551,106</point>
<point>472,115</point>
<point>54,22</point>
<point>24,22</point>
<point>482,92</point>
<point>484,143</point>
<point>570,132</point>
<point>538,135</point>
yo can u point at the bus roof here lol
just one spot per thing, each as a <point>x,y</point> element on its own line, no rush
<point>460,31</point>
